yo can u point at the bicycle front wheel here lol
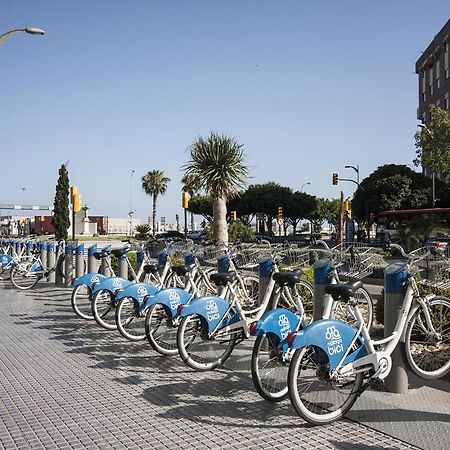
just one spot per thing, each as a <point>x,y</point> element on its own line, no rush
<point>317,397</point>
<point>269,368</point>
<point>103,309</point>
<point>160,330</point>
<point>82,302</point>
<point>428,350</point>
<point>247,291</point>
<point>306,292</point>
<point>130,321</point>
<point>197,349</point>
<point>22,279</point>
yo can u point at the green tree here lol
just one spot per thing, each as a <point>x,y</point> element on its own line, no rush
<point>299,206</point>
<point>389,187</point>
<point>433,142</point>
<point>61,214</point>
<point>154,183</point>
<point>218,162</point>
<point>325,209</point>
<point>202,205</point>
<point>142,231</point>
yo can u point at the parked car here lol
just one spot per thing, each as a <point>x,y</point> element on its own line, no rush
<point>196,236</point>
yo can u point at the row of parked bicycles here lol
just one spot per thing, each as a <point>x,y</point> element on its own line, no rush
<point>200,302</point>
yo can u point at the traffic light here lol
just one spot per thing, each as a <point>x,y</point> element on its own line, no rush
<point>233,216</point>
<point>280,212</point>
<point>335,178</point>
<point>73,193</point>
<point>185,200</point>
<point>346,209</point>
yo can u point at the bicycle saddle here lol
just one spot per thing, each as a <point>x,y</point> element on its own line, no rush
<point>151,268</point>
<point>222,278</point>
<point>287,278</point>
<point>118,252</point>
<point>343,291</point>
<point>181,269</point>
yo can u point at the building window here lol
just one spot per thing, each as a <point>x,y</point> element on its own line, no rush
<point>446,101</point>
<point>430,80</point>
<point>447,74</point>
<point>438,102</point>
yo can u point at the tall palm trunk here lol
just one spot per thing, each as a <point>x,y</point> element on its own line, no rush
<point>154,214</point>
<point>220,226</point>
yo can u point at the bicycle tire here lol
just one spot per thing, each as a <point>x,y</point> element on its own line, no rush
<point>197,350</point>
<point>130,321</point>
<point>204,286</point>
<point>428,356</point>
<point>103,309</point>
<point>174,280</point>
<point>81,301</point>
<point>22,279</point>
<point>314,401</point>
<point>306,291</point>
<point>309,367</point>
<point>247,290</point>
<point>160,331</point>
<point>269,368</point>
<point>342,312</point>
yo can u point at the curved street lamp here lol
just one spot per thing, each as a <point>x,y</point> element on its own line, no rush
<point>303,185</point>
<point>29,30</point>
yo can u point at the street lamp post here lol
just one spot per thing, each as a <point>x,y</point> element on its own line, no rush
<point>29,30</point>
<point>130,214</point>
<point>303,185</point>
<point>356,169</point>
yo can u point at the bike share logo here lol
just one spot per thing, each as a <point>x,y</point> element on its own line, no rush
<point>4,260</point>
<point>285,326</point>
<point>174,298</point>
<point>334,341</point>
<point>117,283</point>
<point>142,293</point>
<point>212,310</point>
<point>95,279</point>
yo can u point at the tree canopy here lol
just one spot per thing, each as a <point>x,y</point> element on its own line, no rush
<point>61,219</point>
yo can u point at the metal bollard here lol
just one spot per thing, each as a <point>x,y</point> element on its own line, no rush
<point>29,246</point>
<point>68,266</point>
<point>322,272</point>
<point>79,260</point>
<point>104,269</point>
<point>43,250</point>
<point>123,267</point>
<point>265,269</point>
<point>223,265</point>
<point>92,264</point>
<point>140,258</point>
<point>395,277</point>
<point>51,262</point>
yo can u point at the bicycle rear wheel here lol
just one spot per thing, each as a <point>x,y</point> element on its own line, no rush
<point>103,309</point>
<point>315,396</point>
<point>341,310</point>
<point>160,330</point>
<point>428,351</point>
<point>306,292</point>
<point>82,302</point>
<point>130,321</point>
<point>22,279</point>
<point>269,368</point>
<point>247,290</point>
<point>197,349</point>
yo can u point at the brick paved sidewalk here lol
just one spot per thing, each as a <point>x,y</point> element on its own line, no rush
<point>66,383</point>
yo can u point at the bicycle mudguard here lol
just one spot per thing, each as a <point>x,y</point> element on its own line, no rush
<point>280,322</point>
<point>333,337</point>
<point>170,298</point>
<point>5,260</point>
<point>111,284</point>
<point>212,309</point>
<point>140,292</point>
<point>89,279</point>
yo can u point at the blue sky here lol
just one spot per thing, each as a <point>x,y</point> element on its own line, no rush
<point>114,86</point>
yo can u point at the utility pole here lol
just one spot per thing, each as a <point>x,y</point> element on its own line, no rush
<point>341,220</point>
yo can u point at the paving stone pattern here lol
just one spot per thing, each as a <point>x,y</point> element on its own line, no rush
<point>67,383</point>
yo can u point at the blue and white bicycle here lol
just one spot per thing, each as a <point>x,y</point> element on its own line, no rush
<point>334,363</point>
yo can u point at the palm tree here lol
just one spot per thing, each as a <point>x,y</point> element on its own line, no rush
<point>217,161</point>
<point>154,183</point>
<point>191,184</point>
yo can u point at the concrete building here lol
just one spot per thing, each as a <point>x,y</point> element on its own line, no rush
<point>434,75</point>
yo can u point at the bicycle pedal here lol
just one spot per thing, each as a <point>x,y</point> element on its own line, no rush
<point>46,273</point>
<point>376,384</point>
